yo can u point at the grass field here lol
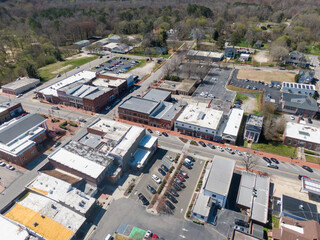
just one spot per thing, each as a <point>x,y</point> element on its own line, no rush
<point>243,90</point>
<point>266,76</point>
<point>276,148</point>
<point>313,159</point>
<point>50,71</point>
<point>241,97</point>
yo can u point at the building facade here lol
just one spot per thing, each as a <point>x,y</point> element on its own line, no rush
<point>9,110</point>
<point>253,128</point>
<point>22,84</point>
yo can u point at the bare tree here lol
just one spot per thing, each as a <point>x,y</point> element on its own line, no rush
<point>249,161</point>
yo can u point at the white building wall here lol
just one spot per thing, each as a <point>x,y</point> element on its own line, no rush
<point>220,199</point>
<point>191,127</point>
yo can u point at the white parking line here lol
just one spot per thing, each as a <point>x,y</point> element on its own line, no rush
<point>186,230</point>
<point>182,236</point>
<point>181,210</point>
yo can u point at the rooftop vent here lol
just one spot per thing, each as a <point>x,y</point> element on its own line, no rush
<point>301,207</point>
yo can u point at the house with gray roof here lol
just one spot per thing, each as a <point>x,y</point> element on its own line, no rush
<point>297,58</point>
<point>306,76</point>
<point>300,105</point>
<point>253,128</point>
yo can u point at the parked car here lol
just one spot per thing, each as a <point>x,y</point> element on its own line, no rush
<point>59,75</point>
<point>184,174</point>
<point>309,169</point>
<point>309,120</point>
<point>82,120</point>
<point>176,187</point>
<point>238,152</point>
<point>9,167</point>
<point>158,133</point>
<point>274,160</point>
<point>220,149</point>
<point>188,161</point>
<point>191,158</point>
<point>149,130</point>
<point>163,167</point>
<point>302,176</point>
<point>148,234</point>
<point>156,179</point>
<point>186,165</point>
<point>242,229</point>
<point>163,173</point>
<point>2,164</point>
<point>170,205</point>
<point>165,134</point>
<point>267,159</point>
<point>239,100</point>
<point>202,144</point>
<point>143,199</point>
<point>173,192</point>
<point>241,223</point>
<point>271,165</point>
<point>180,177</point>
<point>211,146</point>
<point>55,108</point>
<point>19,95</point>
<point>151,189</point>
<point>57,144</point>
<point>171,198</point>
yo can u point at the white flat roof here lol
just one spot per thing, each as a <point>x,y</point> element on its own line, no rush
<point>234,122</point>
<point>120,75</point>
<point>52,89</point>
<point>140,157</point>
<point>62,191</point>
<point>77,162</point>
<point>216,54</point>
<point>112,129</point>
<point>111,45</point>
<point>106,82</point>
<point>302,132</point>
<point>201,115</point>
<point>298,85</point>
<point>12,231</point>
<point>201,205</point>
<point>311,185</point>
<point>147,141</point>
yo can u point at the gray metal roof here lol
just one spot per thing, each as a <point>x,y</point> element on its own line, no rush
<point>299,208</point>
<point>245,189</point>
<point>220,176</point>
<point>157,95</point>
<point>166,111</point>
<point>22,82</point>
<point>300,101</point>
<point>141,105</point>
<point>21,126</point>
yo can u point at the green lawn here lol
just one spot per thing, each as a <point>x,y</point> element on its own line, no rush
<point>141,63</point>
<point>258,97</point>
<point>313,159</point>
<point>50,71</point>
<point>276,148</point>
<point>313,51</point>
<point>241,97</point>
<point>275,221</point>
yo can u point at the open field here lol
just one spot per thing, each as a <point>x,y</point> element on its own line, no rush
<point>242,90</point>
<point>266,76</point>
<point>276,148</point>
<point>50,71</point>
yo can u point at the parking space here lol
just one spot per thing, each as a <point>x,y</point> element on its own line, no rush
<point>117,65</point>
<point>213,88</point>
<point>8,176</point>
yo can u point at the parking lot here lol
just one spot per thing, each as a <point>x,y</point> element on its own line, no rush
<point>213,87</point>
<point>117,65</point>
<point>8,176</point>
<point>271,92</point>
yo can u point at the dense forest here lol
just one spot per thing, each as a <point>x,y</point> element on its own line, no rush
<point>34,33</point>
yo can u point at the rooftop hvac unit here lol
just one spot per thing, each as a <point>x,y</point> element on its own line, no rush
<point>301,207</point>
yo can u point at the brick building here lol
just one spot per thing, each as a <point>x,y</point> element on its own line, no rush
<point>9,110</point>
<point>21,85</point>
<point>19,138</point>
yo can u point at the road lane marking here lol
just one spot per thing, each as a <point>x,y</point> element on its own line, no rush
<point>181,211</point>
<point>186,230</point>
<point>182,236</point>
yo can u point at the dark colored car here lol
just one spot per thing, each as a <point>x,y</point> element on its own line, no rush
<point>202,144</point>
<point>241,223</point>
<point>149,130</point>
<point>267,159</point>
<point>176,187</point>
<point>186,165</point>
<point>274,160</point>
<point>170,205</point>
<point>191,158</point>
<point>173,192</point>
<point>181,184</point>
<point>165,134</point>
<point>143,199</point>
<point>171,198</point>
<point>239,100</point>
<point>211,146</point>
<point>163,167</point>
<point>151,189</point>
<point>302,176</point>
<point>163,173</point>
<point>309,120</point>
<point>270,165</point>
<point>183,174</point>
<point>57,144</point>
<point>309,169</point>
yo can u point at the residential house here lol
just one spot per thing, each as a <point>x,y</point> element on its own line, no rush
<point>114,39</point>
<point>306,76</point>
<point>230,52</point>
<point>297,58</point>
<point>253,128</point>
<point>258,44</point>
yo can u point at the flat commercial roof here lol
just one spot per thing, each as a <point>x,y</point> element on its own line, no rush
<point>62,191</point>
<point>201,205</point>
<point>302,132</point>
<point>77,162</point>
<point>46,217</point>
<point>21,82</point>
<point>147,141</point>
<point>13,129</point>
<point>140,157</point>
<point>259,211</point>
<point>234,122</point>
<point>108,83</point>
<point>298,86</point>
<point>220,176</point>
<point>141,105</point>
<point>83,76</point>
<point>157,95</point>
<point>300,101</point>
<point>166,111</point>
<point>311,185</point>
<point>201,115</point>
<point>12,231</point>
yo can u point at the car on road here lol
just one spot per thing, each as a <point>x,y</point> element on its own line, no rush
<point>2,164</point>
<point>82,120</point>
<point>163,167</point>
<point>171,198</point>
<point>274,160</point>
<point>191,158</point>
<point>202,144</point>
<point>302,176</point>
<point>55,108</point>
<point>9,167</point>
<point>267,159</point>
<point>163,173</point>
<point>220,149</point>
<point>173,192</point>
<point>57,144</point>
<point>271,165</point>
<point>186,165</point>
<point>19,95</point>
<point>77,67</point>
<point>309,169</point>
<point>151,189</point>
<point>165,134</point>
<point>176,187</point>
<point>238,152</point>
<point>170,205</point>
<point>149,130</point>
<point>148,234</point>
<point>156,179</point>
<point>292,117</point>
<point>158,133</point>
<point>241,223</point>
<point>59,75</point>
<point>211,146</point>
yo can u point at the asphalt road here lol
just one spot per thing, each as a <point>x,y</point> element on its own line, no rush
<point>171,228</point>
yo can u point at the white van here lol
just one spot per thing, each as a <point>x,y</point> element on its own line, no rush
<point>109,237</point>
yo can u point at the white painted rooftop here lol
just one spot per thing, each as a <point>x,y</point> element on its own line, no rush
<point>108,83</point>
<point>11,230</point>
<point>147,141</point>
<point>201,115</point>
<point>62,192</point>
<point>81,76</point>
<point>77,162</point>
<point>234,122</point>
<point>201,205</point>
<point>140,157</point>
<point>303,132</point>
